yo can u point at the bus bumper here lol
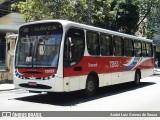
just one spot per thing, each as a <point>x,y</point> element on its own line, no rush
<point>50,85</point>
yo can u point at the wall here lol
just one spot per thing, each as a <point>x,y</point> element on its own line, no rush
<point>7,72</point>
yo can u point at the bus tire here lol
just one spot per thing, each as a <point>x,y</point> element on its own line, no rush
<point>137,78</point>
<point>91,86</point>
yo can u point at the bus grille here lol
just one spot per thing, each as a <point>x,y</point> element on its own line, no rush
<point>38,86</point>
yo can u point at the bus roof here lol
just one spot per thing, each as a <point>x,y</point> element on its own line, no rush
<point>89,27</point>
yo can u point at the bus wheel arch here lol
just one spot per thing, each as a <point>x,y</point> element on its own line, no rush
<point>137,77</point>
<point>92,84</point>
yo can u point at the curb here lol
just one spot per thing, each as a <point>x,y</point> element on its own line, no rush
<point>7,89</point>
<point>6,81</point>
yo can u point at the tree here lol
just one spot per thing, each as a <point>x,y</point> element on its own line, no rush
<point>38,9</point>
<point>77,10</point>
<point>103,14</point>
<point>126,16</point>
<point>149,17</point>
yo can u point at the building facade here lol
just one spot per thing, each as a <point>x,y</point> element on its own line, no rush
<point>9,24</point>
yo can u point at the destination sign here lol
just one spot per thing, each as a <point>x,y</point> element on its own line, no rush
<point>41,28</point>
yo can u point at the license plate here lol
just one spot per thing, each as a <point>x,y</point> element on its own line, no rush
<point>32,84</point>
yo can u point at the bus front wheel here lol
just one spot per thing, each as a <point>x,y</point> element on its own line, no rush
<point>91,86</point>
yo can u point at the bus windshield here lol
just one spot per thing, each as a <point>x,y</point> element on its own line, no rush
<point>39,45</point>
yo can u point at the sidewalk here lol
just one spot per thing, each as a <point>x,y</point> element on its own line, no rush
<point>156,71</point>
<point>6,86</point>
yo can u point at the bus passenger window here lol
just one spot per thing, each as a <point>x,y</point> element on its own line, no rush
<point>149,49</point>
<point>106,45</point>
<point>144,51</point>
<point>137,49</point>
<point>73,47</point>
<point>93,43</point>
<point>128,47</point>
<point>118,46</point>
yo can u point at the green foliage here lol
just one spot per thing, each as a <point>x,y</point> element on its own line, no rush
<point>34,9</point>
<point>149,14</point>
<point>121,15</point>
<point>103,14</point>
<point>127,16</point>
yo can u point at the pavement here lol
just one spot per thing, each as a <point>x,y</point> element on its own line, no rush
<point>6,86</point>
<point>10,86</point>
<point>156,71</point>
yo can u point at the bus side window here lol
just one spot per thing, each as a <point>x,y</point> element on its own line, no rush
<point>93,43</point>
<point>73,47</point>
<point>118,46</point>
<point>149,49</point>
<point>137,49</point>
<point>144,50</point>
<point>106,45</point>
<point>128,47</point>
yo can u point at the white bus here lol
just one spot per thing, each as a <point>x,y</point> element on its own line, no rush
<point>64,56</point>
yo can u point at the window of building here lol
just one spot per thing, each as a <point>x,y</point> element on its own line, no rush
<point>2,53</point>
<point>106,45</point>
<point>93,43</point>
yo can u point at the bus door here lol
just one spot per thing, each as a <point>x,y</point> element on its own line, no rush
<point>73,54</point>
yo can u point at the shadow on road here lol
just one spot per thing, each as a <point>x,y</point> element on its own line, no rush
<point>74,98</point>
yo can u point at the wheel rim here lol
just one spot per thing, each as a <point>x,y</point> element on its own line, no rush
<point>90,86</point>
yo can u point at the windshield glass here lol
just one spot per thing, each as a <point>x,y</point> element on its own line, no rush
<point>38,45</point>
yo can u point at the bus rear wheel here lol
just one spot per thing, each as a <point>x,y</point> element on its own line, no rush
<point>137,78</point>
<point>91,86</point>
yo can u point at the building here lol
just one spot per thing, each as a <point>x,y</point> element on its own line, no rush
<point>9,24</point>
<point>154,23</point>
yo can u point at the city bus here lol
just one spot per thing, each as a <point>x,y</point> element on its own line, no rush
<point>65,56</point>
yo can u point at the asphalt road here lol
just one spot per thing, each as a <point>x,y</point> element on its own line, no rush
<point>125,97</point>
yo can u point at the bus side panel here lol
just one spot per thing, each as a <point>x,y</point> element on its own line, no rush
<point>107,80</point>
<point>72,83</point>
<point>146,67</point>
<point>128,76</point>
<point>110,70</point>
<point>102,80</point>
<point>146,72</point>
